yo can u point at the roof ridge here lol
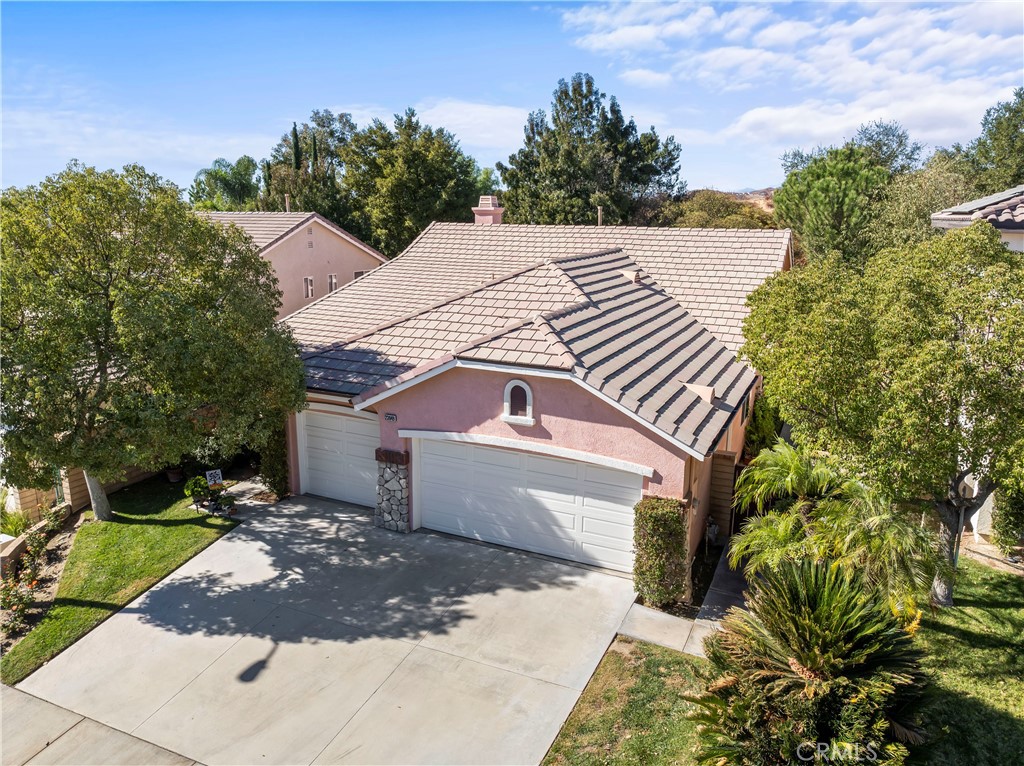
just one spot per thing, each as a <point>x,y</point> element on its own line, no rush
<point>423,310</point>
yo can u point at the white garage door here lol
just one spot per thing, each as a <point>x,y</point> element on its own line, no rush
<point>338,459</point>
<point>562,508</point>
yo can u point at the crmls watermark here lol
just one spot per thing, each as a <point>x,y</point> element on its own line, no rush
<point>839,752</point>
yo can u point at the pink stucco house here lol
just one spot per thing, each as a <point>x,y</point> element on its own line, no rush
<point>310,255</point>
<point>526,385</point>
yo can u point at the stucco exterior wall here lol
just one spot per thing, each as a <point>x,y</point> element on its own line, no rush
<point>293,259</point>
<point>700,505</point>
<point>471,401</point>
<point>1013,239</point>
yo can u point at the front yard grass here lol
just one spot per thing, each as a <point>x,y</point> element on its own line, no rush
<point>154,531</point>
<point>975,656</point>
<point>633,711</point>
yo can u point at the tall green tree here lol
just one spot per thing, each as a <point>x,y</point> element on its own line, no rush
<point>588,155</point>
<point>910,370</point>
<point>996,157</point>
<point>226,185</point>
<point>133,331</point>
<point>401,178</point>
<point>890,145</point>
<point>709,209</point>
<point>828,202</point>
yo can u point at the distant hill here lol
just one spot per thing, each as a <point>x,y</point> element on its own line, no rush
<point>762,198</point>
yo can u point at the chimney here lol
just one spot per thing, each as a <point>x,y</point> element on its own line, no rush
<point>287,203</point>
<point>600,215</point>
<point>488,212</point>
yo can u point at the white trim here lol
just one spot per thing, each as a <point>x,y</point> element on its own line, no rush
<point>524,446</point>
<point>414,496</point>
<point>338,409</point>
<point>506,414</point>
<point>532,372</point>
<point>300,445</point>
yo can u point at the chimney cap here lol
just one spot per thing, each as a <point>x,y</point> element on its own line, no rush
<point>489,201</point>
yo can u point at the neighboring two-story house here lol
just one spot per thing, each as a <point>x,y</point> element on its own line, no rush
<point>310,255</point>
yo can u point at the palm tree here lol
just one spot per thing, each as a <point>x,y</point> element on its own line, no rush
<point>814,658</point>
<point>809,508</point>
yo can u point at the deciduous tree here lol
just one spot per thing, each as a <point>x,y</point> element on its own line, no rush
<point>911,371</point>
<point>996,157</point>
<point>133,331</point>
<point>708,209</point>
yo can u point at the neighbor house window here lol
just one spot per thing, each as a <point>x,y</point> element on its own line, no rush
<point>332,282</point>
<point>307,286</point>
<point>518,408</point>
<point>357,274</point>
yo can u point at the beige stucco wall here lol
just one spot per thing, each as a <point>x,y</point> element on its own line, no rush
<point>293,259</point>
<point>1013,239</point>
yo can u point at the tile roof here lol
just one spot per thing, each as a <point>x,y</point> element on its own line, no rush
<point>635,343</point>
<point>648,317</point>
<point>1004,210</point>
<point>267,228</point>
<point>709,271</point>
<point>263,228</point>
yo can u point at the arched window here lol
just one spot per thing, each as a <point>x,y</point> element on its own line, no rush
<point>518,408</point>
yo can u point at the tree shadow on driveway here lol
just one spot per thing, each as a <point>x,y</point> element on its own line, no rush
<point>327,560</point>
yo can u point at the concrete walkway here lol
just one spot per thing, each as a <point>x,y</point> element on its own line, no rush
<point>681,633</point>
<point>38,732</point>
<point>306,635</point>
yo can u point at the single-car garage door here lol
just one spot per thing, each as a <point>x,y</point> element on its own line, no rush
<point>564,508</point>
<point>337,457</point>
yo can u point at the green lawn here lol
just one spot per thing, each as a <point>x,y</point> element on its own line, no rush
<point>633,711</point>
<point>976,660</point>
<point>154,531</point>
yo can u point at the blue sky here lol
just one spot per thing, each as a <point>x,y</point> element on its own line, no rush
<point>175,85</point>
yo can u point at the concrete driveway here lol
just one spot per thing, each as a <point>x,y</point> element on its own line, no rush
<point>308,636</point>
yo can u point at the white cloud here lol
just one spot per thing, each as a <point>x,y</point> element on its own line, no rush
<point>491,127</point>
<point>646,78</point>
<point>784,33</point>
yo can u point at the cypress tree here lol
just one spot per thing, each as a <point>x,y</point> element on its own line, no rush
<point>314,158</point>
<point>296,149</point>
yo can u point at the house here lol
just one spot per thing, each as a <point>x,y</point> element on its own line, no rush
<point>526,385</point>
<point>1005,211</point>
<point>311,256</point>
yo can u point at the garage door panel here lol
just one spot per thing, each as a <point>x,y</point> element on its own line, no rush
<point>608,529</point>
<point>544,504</point>
<point>537,464</point>
<point>339,460</point>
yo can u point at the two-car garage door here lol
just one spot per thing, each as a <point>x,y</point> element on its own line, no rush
<point>564,508</point>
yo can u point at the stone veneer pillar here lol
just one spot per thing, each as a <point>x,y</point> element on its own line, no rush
<point>392,511</point>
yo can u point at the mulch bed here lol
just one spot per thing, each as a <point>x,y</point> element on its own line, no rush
<point>50,569</point>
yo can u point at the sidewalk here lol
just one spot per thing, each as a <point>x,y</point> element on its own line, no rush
<point>681,633</point>
<point>34,731</point>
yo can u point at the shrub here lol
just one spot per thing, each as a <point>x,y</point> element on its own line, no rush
<point>13,523</point>
<point>274,463</point>
<point>198,488</point>
<point>661,571</point>
<point>764,428</point>
<point>1008,515</point>
<point>15,598</point>
<point>54,517</point>
<point>816,657</point>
